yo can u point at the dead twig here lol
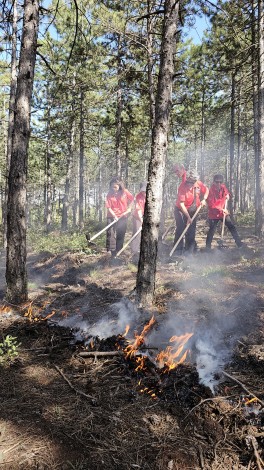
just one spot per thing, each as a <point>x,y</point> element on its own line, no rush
<point>244,387</point>
<point>259,460</point>
<point>79,392</point>
<point>201,457</point>
<point>204,401</point>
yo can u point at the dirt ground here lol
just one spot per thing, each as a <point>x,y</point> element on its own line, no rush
<point>61,410</point>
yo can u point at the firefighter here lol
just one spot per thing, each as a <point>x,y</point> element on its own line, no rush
<point>188,200</point>
<point>118,203</point>
<point>217,208</point>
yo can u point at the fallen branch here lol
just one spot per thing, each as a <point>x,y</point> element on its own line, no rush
<point>79,392</point>
<point>243,386</point>
<point>96,354</point>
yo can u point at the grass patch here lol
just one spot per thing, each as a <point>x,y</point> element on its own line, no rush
<point>132,267</point>
<point>215,270</point>
<point>57,242</point>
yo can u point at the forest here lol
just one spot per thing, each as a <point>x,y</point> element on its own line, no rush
<point>154,361</point>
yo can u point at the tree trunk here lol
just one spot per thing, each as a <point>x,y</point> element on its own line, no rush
<point>246,179</point>
<point>47,188</point>
<point>255,85</point>
<point>16,274</point>
<point>100,189</point>
<point>119,105</point>
<point>146,276</point>
<point>11,114</point>
<point>232,140</point>
<point>81,164</point>
<point>150,22</point>
<point>202,136</point>
<point>237,199</point>
<point>65,207</point>
<point>260,161</point>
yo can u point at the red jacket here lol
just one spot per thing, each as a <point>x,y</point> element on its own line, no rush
<point>186,194</point>
<point>216,201</point>
<point>118,202</point>
<point>140,204</point>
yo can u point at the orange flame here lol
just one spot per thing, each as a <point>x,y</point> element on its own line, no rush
<point>126,330</point>
<point>172,356</point>
<point>5,309</point>
<point>33,315</point>
<point>131,349</point>
<point>140,361</point>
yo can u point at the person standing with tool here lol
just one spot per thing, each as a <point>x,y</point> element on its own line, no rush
<point>217,210</point>
<point>118,203</point>
<point>187,203</point>
<point>138,213</point>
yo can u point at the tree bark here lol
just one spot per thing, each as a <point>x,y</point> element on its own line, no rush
<point>146,276</point>
<point>232,139</point>
<point>11,114</point>
<point>202,135</point>
<point>260,160</point>
<point>150,28</point>
<point>119,106</point>
<point>65,207</point>
<point>16,274</point>
<point>81,164</point>
<point>47,186</point>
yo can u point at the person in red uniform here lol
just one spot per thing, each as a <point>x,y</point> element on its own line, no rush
<point>217,200</point>
<point>188,200</point>
<point>138,216</point>
<point>118,203</point>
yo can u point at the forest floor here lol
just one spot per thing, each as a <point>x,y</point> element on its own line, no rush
<point>60,410</point>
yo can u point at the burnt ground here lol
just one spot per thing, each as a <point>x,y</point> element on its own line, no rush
<point>60,410</point>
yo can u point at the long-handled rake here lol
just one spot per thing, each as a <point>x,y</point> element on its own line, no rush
<point>129,241</point>
<point>90,239</point>
<point>185,230</point>
<point>221,240</point>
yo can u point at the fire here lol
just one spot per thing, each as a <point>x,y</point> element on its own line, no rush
<point>131,349</point>
<point>147,390</point>
<point>172,356</point>
<point>34,315</point>
<point>126,330</point>
<point>5,309</point>
<point>141,362</point>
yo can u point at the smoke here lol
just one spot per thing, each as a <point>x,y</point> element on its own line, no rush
<point>120,315</point>
<point>209,361</point>
<point>210,306</point>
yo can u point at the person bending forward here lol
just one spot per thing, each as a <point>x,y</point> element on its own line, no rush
<point>188,200</point>
<point>217,203</point>
<point>118,203</point>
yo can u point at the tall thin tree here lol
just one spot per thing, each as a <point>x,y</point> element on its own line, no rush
<point>146,277</point>
<point>11,113</point>
<point>16,273</point>
<point>260,162</point>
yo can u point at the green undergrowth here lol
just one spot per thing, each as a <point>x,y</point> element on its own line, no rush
<point>8,349</point>
<point>57,242</point>
<point>246,219</point>
<point>215,270</point>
